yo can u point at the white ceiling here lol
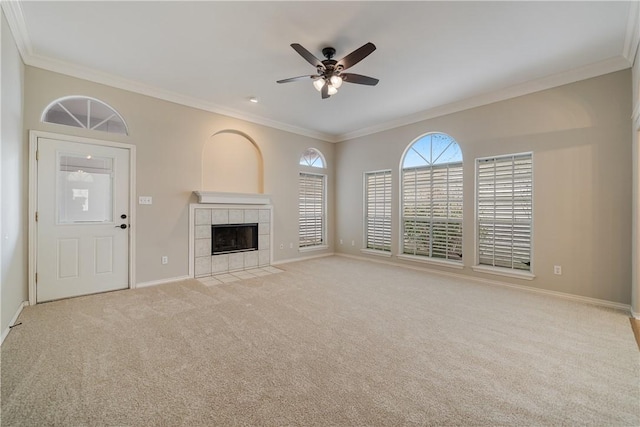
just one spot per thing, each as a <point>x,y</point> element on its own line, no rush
<point>432,57</point>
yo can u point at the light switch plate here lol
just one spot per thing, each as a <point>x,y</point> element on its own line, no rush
<point>145,200</point>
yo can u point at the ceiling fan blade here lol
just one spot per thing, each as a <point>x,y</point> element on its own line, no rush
<point>293,79</point>
<point>359,79</point>
<point>307,55</point>
<point>325,92</point>
<point>356,56</point>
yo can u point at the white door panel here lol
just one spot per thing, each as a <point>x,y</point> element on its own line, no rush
<point>83,199</point>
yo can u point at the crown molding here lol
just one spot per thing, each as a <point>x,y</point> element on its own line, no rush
<point>13,12</point>
<point>593,70</point>
<point>632,39</point>
<point>95,76</point>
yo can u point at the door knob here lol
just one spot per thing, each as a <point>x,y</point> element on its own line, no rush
<point>123,216</point>
<point>123,226</point>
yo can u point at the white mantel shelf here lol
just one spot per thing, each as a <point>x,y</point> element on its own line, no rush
<point>215,197</point>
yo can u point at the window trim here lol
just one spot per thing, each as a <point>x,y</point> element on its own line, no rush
<point>503,271</point>
<point>376,252</point>
<point>323,244</point>
<point>365,248</point>
<point>433,261</point>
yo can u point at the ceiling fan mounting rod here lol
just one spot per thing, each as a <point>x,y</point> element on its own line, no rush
<point>328,52</point>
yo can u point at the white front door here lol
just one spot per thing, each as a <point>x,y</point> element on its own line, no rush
<point>82,219</point>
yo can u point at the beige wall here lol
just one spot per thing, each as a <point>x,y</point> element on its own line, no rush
<point>580,138</point>
<point>170,141</point>
<point>13,196</point>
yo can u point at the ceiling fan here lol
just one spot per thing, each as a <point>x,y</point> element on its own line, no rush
<point>330,75</point>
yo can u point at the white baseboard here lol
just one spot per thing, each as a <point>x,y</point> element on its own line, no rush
<point>286,261</point>
<point>634,314</point>
<point>161,281</point>
<point>600,302</point>
<point>13,321</point>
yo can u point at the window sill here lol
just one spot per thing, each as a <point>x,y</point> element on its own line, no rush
<point>376,252</point>
<point>524,275</point>
<point>426,260</point>
<point>313,248</point>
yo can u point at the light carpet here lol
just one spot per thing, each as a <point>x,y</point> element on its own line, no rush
<point>330,341</point>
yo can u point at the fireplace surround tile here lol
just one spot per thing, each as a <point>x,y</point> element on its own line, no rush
<point>203,247</point>
<point>236,261</point>
<point>203,266</point>
<point>203,217</point>
<point>220,263</point>
<point>263,241</point>
<point>263,228</point>
<point>251,216</point>
<point>250,259</point>
<point>236,216</point>
<point>264,257</point>
<point>203,232</point>
<point>219,216</point>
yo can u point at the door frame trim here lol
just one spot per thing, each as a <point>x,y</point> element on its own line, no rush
<point>34,135</point>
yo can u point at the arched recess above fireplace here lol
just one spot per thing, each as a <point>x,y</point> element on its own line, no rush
<point>232,163</point>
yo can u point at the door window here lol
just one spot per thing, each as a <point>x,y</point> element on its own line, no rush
<point>85,189</point>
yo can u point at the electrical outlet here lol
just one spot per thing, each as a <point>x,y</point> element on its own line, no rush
<point>145,200</point>
<point>557,269</point>
<point>340,241</point>
<point>353,243</point>
<point>165,260</point>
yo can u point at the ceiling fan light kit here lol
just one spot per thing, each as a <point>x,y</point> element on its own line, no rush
<point>330,74</point>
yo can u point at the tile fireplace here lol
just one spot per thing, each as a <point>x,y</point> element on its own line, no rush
<point>229,232</point>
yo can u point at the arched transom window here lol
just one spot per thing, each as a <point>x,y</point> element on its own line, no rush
<point>432,198</point>
<point>84,112</point>
<point>312,157</point>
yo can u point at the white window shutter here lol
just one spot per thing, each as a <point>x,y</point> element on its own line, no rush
<point>312,210</point>
<point>432,211</point>
<point>504,211</point>
<point>378,210</point>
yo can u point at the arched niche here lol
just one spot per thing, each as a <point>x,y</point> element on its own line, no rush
<point>232,163</point>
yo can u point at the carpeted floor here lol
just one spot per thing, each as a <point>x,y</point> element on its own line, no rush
<point>330,341</point>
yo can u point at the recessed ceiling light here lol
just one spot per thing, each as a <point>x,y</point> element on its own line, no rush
<point>253,99</point>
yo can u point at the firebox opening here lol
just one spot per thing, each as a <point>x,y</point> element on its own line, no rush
<point>226,238</point>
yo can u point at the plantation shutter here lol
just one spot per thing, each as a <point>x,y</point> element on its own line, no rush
<point>311,209</point>
<point>504,211</point>
<point>432,211</point>
<point>378,210</point>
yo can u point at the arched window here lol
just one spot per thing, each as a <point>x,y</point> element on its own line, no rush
<point>312,202</point>
<point>312,157</point>
<point>431,202</point>
<point>84,112</point>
